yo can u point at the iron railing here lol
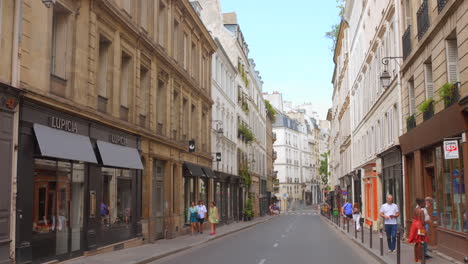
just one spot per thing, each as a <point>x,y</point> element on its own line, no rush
<point>407,42</point>
<point>423,19</point>
<point>441,4</point>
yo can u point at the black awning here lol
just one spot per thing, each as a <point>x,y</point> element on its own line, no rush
<point>64,145</point>
<point>209,172</point>
<point>119,156</point>
<point>194,170</point>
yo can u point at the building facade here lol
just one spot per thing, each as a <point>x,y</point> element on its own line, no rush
<point>111,99</point>
<point>434,89</point>
<point>375,109</point>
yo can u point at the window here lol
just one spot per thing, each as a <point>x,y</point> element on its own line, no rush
<point>189,194</point>
<point>116,199</point>
<point>144,14</point>
<point>161,107</point>
<point>453,73</point>
<point>186,50</point>
<point>428,80</point>
<point>60,42</point>
<point>162,21</point>
<point>144,94</point>
<point>411,98</point>
<point>103,65</point>
<point>175,114</point>
<point>194,60</point>
<point>58,205</point>
<point>194,122</point>
<point>125,76</point>
<point>185,117</point>
<point>175,41</point>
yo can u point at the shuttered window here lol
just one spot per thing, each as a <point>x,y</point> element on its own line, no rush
<point>428,80</point>
<point>411,99</point>
<point>452,61</point>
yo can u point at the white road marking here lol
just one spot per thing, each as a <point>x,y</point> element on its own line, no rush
<point>262,261</point>
<point>275,245</point>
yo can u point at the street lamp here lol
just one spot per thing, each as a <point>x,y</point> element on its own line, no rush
<point>48,3</point>
<point>385,78</point>
<point>219,129</point>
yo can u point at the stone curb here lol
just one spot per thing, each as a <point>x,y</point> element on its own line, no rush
<point>153,258</point>
<point>377,256</point>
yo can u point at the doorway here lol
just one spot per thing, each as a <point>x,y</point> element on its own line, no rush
<point>158,198</point>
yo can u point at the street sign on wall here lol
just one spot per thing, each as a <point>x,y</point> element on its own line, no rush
<point>451,149</point>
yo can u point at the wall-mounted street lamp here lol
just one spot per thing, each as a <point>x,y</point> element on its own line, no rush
<point>48,3</point>
<point>385,78</point>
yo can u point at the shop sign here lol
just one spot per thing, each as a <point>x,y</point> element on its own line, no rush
<point>119,140</point>
<point>64,124</point>
<point>451,149</point>
<point>8,102</point>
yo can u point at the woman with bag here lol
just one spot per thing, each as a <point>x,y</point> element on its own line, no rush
<point>418,231</point>
<point>213,218</point>
<point>192,215</point>
<point>356,216</point>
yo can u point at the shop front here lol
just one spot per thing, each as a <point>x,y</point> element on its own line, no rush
<point>196,182</point>
<point>9,98</point>
<point>225,196</point>
<point>357,193</point>
<point>434,165</point>
<point>79,185</point>
<point>371,201</point>
<point>392,179</point>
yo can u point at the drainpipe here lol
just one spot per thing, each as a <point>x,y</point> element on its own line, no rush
<point>15,77</point>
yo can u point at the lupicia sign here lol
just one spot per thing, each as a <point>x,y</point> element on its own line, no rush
<point>451,149</point>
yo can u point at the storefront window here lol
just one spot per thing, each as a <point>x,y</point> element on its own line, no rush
<point>189,194</point>
<point>229,202</point>
<point>451,196</point>
<point>58,207</point>
<point>203,188</point>
<point>116,201</point>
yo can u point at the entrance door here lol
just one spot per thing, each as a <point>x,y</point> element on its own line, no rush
<point>430,191</point>
<point>6,137</point>
<point>158,198</point>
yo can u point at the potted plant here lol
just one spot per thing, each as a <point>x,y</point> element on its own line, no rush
<point>410,122</point>
<point>427,108</point>
<point>449,94</point>
<point>246,133</point>
<point>248,210</point>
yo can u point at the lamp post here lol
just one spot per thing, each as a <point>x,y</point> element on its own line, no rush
<point>385,78</point>
<point>48,3</point>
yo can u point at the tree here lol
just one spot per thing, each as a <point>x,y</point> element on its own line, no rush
<point>335,28</point>
<point>323,169</point>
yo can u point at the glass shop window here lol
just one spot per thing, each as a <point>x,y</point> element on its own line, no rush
<point>116,201</point>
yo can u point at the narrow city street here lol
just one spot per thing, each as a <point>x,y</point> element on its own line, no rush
<point>292,238</point>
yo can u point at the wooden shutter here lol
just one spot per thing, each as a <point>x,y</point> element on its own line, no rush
<point>452,61</point>
<point>429,80</point>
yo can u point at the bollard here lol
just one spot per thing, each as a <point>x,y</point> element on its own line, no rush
<point>348,225</point>
<point>339,219</point>
<point>398,235</point>
<point>362,234</point>
<point>423,256</point>
<point>370,232</point>
<point>381,242</point>
<point>355,231</point>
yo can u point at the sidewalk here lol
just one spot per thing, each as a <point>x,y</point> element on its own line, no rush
<point>163,248</point>
<point>407,250</point>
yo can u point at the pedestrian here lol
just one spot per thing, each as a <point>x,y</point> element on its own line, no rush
<point>192,215</point>
<point>347,211</point>
<point>418,231</point>
<point>389,211</point>
<point>427,221</point>
<point>201,210</point>
<point>213,218</point>
<point>357,216</point>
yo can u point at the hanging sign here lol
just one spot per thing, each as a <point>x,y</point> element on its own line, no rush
<point>451,149</point>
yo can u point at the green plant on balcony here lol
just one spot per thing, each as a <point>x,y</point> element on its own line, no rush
<point>245,106</point>
<point>410,122</point>
<point>448,93</point>
<point>244,172</point>
<point>270,111</point>
<point>427,108</point>
<point>246,133</point>
<point>248,209</point>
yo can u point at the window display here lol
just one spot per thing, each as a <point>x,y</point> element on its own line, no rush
<point>116,202</point>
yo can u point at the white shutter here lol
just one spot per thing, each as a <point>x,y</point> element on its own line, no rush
<point>412,106</point>
<point>452,61</point>
<point>429,81</point>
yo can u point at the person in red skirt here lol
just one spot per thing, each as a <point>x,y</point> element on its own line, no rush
<point>418,232</point>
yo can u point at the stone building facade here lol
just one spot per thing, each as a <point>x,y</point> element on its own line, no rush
<point>433,96</point>
<point>113,77</point>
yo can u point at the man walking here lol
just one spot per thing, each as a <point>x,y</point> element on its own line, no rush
<point>347,211</point>
<point>389,211</point>
<point>201,209</point>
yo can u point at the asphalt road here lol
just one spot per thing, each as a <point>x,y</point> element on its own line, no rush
<point>297,237</point>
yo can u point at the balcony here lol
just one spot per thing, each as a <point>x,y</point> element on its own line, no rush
<point>423,19</point>
<point>274,136</point>
<point>407,42</point>
<point>441,4</point>
<point>410,123</point>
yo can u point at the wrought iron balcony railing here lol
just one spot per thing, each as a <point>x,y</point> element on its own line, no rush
<point>406,39</point>
<point>423,19</point>
<point>441,4</point>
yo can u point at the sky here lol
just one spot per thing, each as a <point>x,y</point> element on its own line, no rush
<point>287,41</point>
